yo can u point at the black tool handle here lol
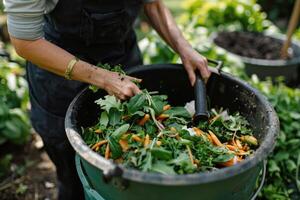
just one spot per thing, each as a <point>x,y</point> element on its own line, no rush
<point>200,100</point>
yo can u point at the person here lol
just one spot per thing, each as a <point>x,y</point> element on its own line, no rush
<point>63,40</point>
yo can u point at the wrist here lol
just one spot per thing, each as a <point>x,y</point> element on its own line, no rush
<point>184,48</point>
<point>88,73</point>
<point>99,76</point>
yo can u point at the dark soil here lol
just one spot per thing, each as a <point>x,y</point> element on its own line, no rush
<point>31,175</point>
<point>250,44</point>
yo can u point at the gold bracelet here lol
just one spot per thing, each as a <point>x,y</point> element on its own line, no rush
<point>68,72</point>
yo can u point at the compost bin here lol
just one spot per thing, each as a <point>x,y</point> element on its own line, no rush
<point>102,179</point>
<point>262,67</point>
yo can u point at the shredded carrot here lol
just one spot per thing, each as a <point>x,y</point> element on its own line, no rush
<point>238,144</point>
<point>147,141</point>
<point>231,162</point>
<point>98,144</point>
<point>246,147</point>
<point>124,145</point>
<point>136,138</point>
<point>107,152</point>
<point>231,147</point>
<point>158,143</point>
<point>167,107</point>
<point>215,140</point>
<point>198,131</point>
<point>209,138</point>
<point>97,148</point>
<point>162,117</point>
<point>144,119</point>
<point>98,131</point>
<point>190,154</point>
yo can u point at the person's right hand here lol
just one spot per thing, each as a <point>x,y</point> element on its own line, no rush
<point>121,86</point>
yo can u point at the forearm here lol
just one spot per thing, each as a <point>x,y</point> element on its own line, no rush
<point>52,58</point>
<point>163,22</point>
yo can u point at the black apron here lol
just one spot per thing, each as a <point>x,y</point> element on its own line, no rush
<point>96,31</point>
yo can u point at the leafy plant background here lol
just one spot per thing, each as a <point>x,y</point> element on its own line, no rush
<point>198,21</point>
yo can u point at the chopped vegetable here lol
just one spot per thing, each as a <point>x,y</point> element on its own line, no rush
<point>148,134</point>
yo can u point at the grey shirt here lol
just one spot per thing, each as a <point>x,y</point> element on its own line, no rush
<point>25,17</point>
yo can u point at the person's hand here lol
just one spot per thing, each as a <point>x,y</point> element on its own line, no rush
<point>193,61</point>
<point>121,86</point>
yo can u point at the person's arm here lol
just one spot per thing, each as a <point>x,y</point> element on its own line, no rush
<point>25,26</point>
<point>162,21</point>
<point>52,58</point>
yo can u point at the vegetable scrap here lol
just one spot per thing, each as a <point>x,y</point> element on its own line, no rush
<point>148,134</point>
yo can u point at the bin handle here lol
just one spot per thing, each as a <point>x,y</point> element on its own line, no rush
<point>218,63</point>
<point>264,172</point>
<point>92,194</point>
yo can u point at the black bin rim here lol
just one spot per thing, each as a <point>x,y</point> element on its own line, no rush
<point>73,134</point>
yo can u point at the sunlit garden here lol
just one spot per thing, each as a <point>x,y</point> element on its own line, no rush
<point>247,36</point>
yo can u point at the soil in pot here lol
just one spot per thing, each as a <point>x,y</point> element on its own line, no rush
<point>250,44</point>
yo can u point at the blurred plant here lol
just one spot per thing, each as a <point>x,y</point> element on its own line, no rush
<point>245,15</point>
<point>14,126</point>
<point>14,123</point>
<point>282,180</point>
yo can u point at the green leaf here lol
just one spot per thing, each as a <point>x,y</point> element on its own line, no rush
<point>120,131</point>
<point>178,112</point>
<point>114,117</point>
<point>223,158</point>
<point>136,103</point>
<point>163,168</point>
<point>150,127</point>
<point>104,119</point>
<point>109,102</point>
<point>184,162</point>
<point>12,129</point>
<point>147,163</point>
<point>158,103</point>
<point>295,115</point>
<point>161,153</point>
<point>139,113</point>
<point>282,155</point>
<point>273,167</point>
<point>115,148</point>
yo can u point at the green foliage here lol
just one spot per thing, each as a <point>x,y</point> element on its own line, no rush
<point>284,162</point>
<point>243,15</point>
<point>14,126</point>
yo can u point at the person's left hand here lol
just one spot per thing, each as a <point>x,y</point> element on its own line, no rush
<point>193,61</point>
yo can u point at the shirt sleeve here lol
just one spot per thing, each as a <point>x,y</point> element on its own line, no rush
<point>25,18</point>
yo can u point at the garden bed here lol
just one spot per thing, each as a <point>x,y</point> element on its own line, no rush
<point>31,175</point>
